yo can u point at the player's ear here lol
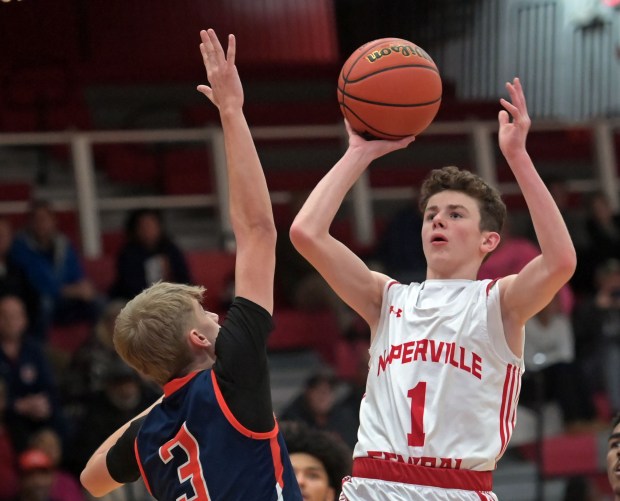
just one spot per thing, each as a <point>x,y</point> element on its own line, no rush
<point>198,339</point>
<point>490,241</point>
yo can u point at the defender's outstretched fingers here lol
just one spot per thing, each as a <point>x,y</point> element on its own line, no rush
<point>232,49</point>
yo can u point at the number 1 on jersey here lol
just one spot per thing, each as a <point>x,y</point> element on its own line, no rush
<point>417,394</point>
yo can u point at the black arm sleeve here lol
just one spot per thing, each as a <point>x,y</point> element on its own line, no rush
<point>121,459</point>
<point>241,367</point>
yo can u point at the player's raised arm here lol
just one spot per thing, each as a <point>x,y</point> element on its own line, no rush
<point>250,205</point>
<point>345,272</point>
<point>528,292</point>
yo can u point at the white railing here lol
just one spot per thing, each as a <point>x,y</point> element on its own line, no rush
<point>90,205</point>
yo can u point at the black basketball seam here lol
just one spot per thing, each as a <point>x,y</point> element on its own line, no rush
<point>396,136</point>
<point>346,80</point>
<point>380,103</point>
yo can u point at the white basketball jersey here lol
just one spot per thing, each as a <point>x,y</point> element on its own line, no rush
<point>443,384</point>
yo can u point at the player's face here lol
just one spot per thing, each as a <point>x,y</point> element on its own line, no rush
<point>207,322</point>
<point>451,236</point>
<point>613,461</point>
<point>312,478</point>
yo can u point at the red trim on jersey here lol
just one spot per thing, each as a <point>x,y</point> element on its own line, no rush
<point>393,282</point>
<point>392,471</point>
<point>178,383</point>
<point>233,420</point>
<point>508,409</point>
<point>277,460</point>
<point>491,284</point>
<point>142,474</point>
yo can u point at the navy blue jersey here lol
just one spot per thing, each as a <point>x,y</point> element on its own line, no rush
<point>192,447</point>
<point>214,435</point>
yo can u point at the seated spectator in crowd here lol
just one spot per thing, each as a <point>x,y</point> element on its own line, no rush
<point>320,460</point>
<point>54,268</point>
<point>124,395</point>
<point>147,256</point>
<point>297,284</point>
<point>549,353</point>
<point>36,477</point>
<point>64,485</point>
<point>511,255</point>
<point>597,333</point>
<point>86,373</point>
<point>13,277</point>
<point>9,476</point>
<point>32,393</point>
<point>399,247</point>
<point>317,407</point>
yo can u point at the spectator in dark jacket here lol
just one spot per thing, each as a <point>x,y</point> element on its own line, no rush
<point>148,255</point>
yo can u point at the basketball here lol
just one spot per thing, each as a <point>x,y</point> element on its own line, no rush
<point>389,88</point>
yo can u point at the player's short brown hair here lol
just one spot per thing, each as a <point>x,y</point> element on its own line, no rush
<point>149,333</point>
<point>490,203</point>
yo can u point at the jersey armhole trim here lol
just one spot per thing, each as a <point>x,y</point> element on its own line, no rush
<point>142,474</point>
<point>233,420</point>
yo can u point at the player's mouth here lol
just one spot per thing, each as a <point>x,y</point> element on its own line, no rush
<point>438,239</point>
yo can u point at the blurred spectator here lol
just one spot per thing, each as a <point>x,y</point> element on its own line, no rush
<point>297,284</point>
<point>148,255</point>
<point>320,460</point>
<point>87,368</point>
<point>550,354</point>
<point>13,277</point>
<point>64,485</point>
<point>123,397</point>
<point>597,332</point>
<point>54,268</point>
<point>36,477</point>
<point>512,254</point>
<point>613,458</point>
<point>9,477</point>
<point>317,407</point>
<point>603,228</point>
<point>33,399</point>
<point>399,247</point>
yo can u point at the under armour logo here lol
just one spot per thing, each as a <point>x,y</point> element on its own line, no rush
<point>398,312</point>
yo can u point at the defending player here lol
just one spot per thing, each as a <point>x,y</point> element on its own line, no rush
<point>213,436</point>
<point>446,354</point>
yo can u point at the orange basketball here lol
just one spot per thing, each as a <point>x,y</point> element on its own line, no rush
<point>389,88</point>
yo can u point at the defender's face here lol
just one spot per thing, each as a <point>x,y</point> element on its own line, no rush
<point>451,236</point>
<point>206,322</point>
<point>613,461</point>
<point>312,478</point>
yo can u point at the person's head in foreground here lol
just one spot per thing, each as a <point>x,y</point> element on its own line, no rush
<point>613,457</point>
<point>320,460</point>
<point>463,218</point>
<point>165,333</point>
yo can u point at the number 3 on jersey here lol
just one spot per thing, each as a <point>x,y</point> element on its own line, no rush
<point>191,469</point>
<point>417,394</point>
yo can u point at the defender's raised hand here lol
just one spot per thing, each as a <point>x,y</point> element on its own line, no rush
<point>225,88</point>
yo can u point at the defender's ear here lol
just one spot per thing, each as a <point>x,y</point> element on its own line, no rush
<point>490,241</point>
<point>198,339</point>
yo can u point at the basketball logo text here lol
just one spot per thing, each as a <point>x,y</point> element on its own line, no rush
<point>404,50</point>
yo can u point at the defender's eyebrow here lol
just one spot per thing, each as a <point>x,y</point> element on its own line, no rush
<point>450,207</point>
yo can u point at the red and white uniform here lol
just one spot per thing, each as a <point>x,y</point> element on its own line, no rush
<point>441,395</point>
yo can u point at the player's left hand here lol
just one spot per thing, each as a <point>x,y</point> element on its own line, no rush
<point>512,134</point>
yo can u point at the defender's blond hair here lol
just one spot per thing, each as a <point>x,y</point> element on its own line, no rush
<point>490,203</point>
<point>149,333</point>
